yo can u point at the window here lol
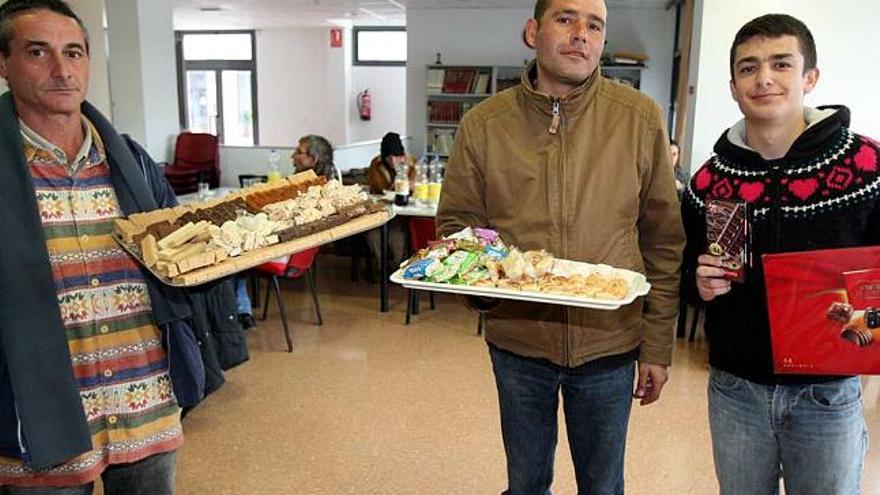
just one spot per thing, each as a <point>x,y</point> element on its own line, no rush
<point>379,45</point>
<point>217,84</point>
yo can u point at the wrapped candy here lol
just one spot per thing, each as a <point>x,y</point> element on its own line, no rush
<point>422,268</point>
<point>487,236</point>
<point>450,266</point>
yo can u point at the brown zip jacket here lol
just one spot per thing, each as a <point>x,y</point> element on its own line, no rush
<point>594,184</point>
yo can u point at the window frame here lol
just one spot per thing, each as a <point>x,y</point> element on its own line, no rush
<point>216,65</point>
<point>355,60</point>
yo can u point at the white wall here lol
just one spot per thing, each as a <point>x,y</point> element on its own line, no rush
<point>650,31</point>
<point>387,87</point>
<point>846,42</point>
<point>300,86</point>
<point>143,78</point>
<point>493,37</point>
<point>306,87</point>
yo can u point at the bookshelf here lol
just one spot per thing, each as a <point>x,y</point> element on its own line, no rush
<point>628,74</point>
<point>452,90</point>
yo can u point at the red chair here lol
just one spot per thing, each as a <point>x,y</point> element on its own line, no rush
<point>297,265</point>
<point>421,232</point>
<point>196,159</point>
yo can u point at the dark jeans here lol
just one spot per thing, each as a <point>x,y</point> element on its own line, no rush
<point>596,400</point>
<point>151,476</point>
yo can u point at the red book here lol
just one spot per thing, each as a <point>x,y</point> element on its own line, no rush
<point>822,309</point>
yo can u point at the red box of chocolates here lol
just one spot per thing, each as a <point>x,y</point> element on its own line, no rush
<point>824,309</point>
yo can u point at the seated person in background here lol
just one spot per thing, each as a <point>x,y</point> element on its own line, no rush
<point>315,152</point>
<point>383,168</point>
<point>381,178</point>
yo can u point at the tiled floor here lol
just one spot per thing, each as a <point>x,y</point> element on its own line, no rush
<point>366,405</point>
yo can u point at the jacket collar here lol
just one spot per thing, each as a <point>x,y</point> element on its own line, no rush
<point>573,104</point>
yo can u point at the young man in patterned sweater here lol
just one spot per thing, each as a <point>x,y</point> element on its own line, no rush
<point>84,384</point>
<point>810,184</point>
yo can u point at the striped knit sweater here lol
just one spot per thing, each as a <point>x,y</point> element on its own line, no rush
<point>115,347</point>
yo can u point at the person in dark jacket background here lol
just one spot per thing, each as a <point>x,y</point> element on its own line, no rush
<point>810,183</point>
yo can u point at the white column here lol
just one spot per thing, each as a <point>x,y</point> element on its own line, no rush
<point>143,74</point>
<point>92,14</point>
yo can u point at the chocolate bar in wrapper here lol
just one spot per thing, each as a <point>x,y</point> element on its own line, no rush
<point>727,233</point>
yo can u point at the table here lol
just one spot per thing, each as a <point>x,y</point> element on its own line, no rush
<point>415,211</point>
<point>215,193</point>
<point>404,211</point>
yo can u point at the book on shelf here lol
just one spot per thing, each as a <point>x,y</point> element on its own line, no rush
<point>435,80</point>
<point>447,112</point>
<point>440,141</point>
<point>481,83</point>
<point>615,61</point>
<point>458,81</point>
<point>626,56</point>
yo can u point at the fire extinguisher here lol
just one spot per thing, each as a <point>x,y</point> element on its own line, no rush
<point>364,104</point>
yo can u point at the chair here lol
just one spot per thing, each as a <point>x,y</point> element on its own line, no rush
<point>421,232</point>
<point>297,265</point>
<point>196,159</point>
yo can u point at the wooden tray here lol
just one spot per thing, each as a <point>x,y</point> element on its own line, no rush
<point>259,256</point>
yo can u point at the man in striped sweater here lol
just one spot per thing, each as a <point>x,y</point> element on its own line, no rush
<point>84,384</point>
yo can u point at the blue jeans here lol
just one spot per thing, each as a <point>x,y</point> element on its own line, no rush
<point>151,476</point>
<point>242,300</point>
<point>596,401</point>
<point>813,436</point>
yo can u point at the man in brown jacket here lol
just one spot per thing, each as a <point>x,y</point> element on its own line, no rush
<point>579,165</point>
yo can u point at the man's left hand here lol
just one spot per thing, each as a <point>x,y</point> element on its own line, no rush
<point>652,377</point>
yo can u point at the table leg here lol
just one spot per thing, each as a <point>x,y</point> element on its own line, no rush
<point>383,270</point>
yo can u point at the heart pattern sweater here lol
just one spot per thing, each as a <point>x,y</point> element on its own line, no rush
<point>823,194</point>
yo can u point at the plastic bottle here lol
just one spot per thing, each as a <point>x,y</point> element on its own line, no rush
<point>420,186</point>
<point>435,181</point>
<point>401,184</point>
<point>274,172</point>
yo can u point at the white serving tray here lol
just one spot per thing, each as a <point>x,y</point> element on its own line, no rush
<point>639,286</point>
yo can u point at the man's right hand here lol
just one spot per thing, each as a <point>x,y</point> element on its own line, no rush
<point>710,283</point>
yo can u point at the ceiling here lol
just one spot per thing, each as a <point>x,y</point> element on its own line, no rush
<point>250,14</point>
